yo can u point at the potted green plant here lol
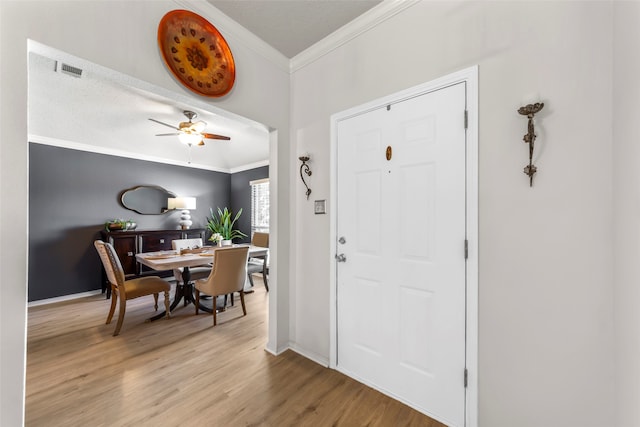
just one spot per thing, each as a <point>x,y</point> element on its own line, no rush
<point>222,225</point>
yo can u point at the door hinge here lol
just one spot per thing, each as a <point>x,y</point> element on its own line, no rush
<point>466,249</point>
<point>466,377</point>
<point>466,119</point>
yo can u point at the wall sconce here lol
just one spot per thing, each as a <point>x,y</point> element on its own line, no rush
<point>304,167</point>
<point>530,110</point>
<point>185,204</point>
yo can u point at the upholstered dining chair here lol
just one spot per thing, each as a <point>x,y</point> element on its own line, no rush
<point>228,276</point>
<point>128,289</point>
<point>199,272</point>
<point>260,264</point>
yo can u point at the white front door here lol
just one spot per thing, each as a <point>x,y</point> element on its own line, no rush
<point>401,218</point>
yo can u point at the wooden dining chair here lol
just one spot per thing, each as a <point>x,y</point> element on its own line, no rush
<point>228,276</point>
<point>259,264</point>
<point>128,289</point>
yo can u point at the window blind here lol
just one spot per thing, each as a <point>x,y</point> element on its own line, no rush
<point>260,206</point>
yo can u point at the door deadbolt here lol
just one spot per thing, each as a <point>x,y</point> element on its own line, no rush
<point>342,240</point>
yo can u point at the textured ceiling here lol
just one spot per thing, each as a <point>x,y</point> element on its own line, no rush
<point>99,113</point>
<point>291,26</point>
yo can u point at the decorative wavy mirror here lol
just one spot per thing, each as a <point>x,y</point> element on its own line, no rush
<point>146,199</point>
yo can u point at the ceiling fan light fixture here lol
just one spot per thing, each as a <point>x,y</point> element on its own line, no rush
<point>190,138</point>
<point>190,133</point>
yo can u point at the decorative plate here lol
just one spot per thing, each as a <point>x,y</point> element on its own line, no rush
<point>196,53</point>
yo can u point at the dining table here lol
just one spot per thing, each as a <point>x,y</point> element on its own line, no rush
<point>172,259</point>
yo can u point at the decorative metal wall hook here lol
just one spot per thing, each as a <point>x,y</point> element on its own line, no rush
<point>304,167</point>
<point>530,110</point>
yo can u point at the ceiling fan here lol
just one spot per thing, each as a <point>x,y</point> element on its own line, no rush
<point>190,133</point>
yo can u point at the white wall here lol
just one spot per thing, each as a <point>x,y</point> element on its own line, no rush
<point>546,289</point>
<point>120,35</point>
<point>626,184</point>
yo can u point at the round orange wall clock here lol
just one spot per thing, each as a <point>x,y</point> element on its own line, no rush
<point>196,53</point>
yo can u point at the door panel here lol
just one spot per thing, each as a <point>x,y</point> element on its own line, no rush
<point>368,321</point>
<point>416,314</point>
<point>417,204</point>
<point>368,211</point>
<point>125,247</point>
<point>401,292</point>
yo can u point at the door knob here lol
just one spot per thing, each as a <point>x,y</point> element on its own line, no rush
<point>341,258</point>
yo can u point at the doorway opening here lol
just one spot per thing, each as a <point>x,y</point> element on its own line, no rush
<point>83,135</point>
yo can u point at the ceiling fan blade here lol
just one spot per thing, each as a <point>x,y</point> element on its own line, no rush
<point>165,124</point>
<point>168,134</point>
<point>214,136</point>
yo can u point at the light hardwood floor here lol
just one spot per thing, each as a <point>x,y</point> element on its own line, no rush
<point>185,372</point>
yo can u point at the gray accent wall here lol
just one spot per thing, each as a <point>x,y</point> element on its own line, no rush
<point>240,197</point>
<point>71,195</point>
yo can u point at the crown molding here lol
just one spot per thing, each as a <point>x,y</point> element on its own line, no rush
<point>61,143</point>
<point>350,31</point>
<point>232,30</point>
<point>249,166</point>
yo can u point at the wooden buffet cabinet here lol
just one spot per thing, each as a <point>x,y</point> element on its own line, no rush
<point>129,243</point>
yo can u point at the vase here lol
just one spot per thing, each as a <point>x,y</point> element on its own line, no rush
<point>226,243</point>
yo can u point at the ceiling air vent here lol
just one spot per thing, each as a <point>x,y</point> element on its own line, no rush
<point>71,70</point>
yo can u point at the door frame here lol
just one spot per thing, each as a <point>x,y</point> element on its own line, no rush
<point>470,77</point>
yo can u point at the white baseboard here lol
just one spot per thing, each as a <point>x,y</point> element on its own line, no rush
<point>320,360</point>
<point>302,352</point>
<point>276,352</point>
<point>64,298</point>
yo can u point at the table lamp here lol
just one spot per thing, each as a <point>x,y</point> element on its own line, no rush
<point>185,204</point>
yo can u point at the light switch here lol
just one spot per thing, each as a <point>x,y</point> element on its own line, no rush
<point>320,207</point>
